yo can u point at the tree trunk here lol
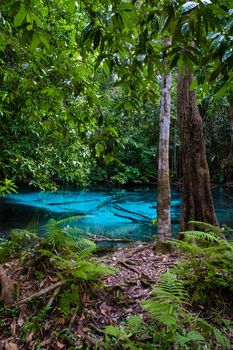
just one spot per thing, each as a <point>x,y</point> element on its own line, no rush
<point>164,193</point>
<point>197,202</point>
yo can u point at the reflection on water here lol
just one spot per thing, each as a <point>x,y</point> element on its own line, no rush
<point>117,213</point>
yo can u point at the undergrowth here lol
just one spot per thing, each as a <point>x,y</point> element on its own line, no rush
<point>190,306</point>
<point>63,257</point>
<point>200,287</point>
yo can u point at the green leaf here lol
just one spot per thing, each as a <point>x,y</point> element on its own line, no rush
<point>18,20</point>
<point>97,38</point>
<point>194,85</point>
<point>113,331</point>
<point>44,39</point>
<point>72,6</point>
<point>206,2</point>
<point>87,30</point>
<point>227,55</point>
<point>189,6</point>
<point>35,42</point>
<point>106,67</point>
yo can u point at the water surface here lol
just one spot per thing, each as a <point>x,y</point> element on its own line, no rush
<point>118,213</point>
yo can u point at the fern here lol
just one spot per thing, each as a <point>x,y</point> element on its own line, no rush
<point>204,226</point>
<point>69,298</point>
<point>167,309</point>
<point>56,236</point>
<point>22,238</point>
<point>169,296</point>
<point>213,332</point>
<point>208,273</point>
<point>70,220</point>
<point>202,236</point>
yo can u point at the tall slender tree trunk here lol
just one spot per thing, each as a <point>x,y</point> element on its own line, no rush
<point>164,193</point>
<point>197,202</point>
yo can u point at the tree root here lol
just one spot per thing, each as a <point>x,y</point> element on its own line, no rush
<point>9,288</point>
<point>91,341</point>
<point>41,292</point>
<point>53,296</point>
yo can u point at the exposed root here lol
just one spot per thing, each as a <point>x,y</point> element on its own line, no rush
<point>42,292</point>
<point>9,288</point>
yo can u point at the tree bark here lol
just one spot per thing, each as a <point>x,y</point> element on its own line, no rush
<point>197,202</point>
<point>164,193</point>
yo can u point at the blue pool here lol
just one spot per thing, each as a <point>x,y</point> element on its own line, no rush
<point>118,213</point>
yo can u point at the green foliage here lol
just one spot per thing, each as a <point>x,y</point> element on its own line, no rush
<point>69,298</point>
<point>65,255</point>
<point>7,187</point>
<point>19,244</point>
<point>169,296</point>
<point>174,323</point>
<point>208,272</point>
<point>80,88</point>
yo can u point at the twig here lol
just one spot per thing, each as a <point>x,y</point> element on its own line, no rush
<point>128,266</point>
<point>91,341</point>
<point>74,315</point>
<point>118,207</point>
<point>93,325</point>
<point>53,296</point>
<point>106,239</point>
<point>41,292</point>
<point>137,250</point>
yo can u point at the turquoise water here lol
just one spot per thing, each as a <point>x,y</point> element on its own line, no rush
<point>116,213</point>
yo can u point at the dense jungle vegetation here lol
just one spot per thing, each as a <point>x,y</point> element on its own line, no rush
<point>117,93</point>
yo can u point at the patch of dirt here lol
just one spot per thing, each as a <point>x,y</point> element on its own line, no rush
<point>138,268</point>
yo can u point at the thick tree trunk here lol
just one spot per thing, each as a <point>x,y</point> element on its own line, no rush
<point>164,193</point>
<point>197,202</point>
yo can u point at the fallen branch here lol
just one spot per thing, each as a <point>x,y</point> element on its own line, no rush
<point>55,293</point>
<point>74,316</point>
<point>137,249</point>
<point>91,341</point>
<point>118,207</point>
<point>127,266</point>
<point>106,239</point>
<point>41,292</point>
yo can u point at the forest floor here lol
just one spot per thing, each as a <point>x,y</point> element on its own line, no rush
<point>137,268</point>
<point>27,324</point>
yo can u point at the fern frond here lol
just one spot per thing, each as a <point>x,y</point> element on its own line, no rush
<point>22,237</point>
<point>186,246</point>
<point>169,296</point>
<point>77,232</point>
<point>69,298</point>
<point>168,286</point>
<point>202,236</point>
<point>210,330</point>
<point>71,220</point>
<point>85,248</point>
<point>89,271</point>
<point>33,226</point>
<point>162,313</point>
<point>55,236</point>
<point>204,226</point>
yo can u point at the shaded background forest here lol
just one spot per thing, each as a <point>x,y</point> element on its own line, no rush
<point>73,111</point>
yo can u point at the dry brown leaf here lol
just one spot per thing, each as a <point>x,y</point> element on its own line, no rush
<point>46,342</point>
<point>13,327</point>
<point>42,283</point>
<point>11,346</point>
<point>29,337</point>
<point>20,321</point>
<point>52,279</point>
<point>60,345</point>
<point>60,320</point>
